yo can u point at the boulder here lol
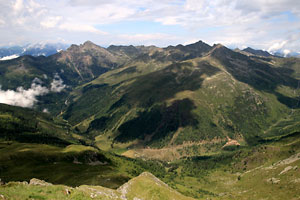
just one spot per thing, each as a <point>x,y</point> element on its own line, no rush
<point>35,181</point>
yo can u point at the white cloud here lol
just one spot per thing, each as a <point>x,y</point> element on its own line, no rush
<point>50,22</point>
<point>28,97</point>
<point>196,5</point>
<point>22,97</point>
<point>2,22</point>
<point>9,57</point>
<point>146,39</point>
<point>80,28</point>
<point>277,46</point>
<point>291,43</point>
<point>57,84</point>
<point>33,6</point>
<point>191,41</point>
<point>18,6</point>
<point>286,52</point>
<point>37,81</point>
<point>260,23</point>
<point>90,2</point>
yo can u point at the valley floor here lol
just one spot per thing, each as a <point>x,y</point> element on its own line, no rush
<point>267,171</point>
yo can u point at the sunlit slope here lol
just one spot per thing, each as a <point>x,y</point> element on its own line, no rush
<point>217,95</point>
<point>145,186</point>
<point>269,170</point>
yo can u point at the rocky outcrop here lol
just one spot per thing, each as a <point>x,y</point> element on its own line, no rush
<point>35,181</point>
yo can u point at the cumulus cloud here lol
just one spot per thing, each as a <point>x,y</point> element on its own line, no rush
<point>75,27</point>
<point>57,84</point>
<point>148,39</point>
<point>28,97</point>
<point>51,22</point>
<point>290,44</point>
<point>18,6</point>
<point>22,97</point>
<point>257,23</point>
<point>277,46</point>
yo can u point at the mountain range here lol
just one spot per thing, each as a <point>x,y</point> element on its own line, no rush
<point>38,49</point>
<point>183,112</point>
<point>189,93</point>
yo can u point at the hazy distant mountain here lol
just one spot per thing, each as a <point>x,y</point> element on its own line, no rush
<point>287,54</point>
<point>45,49</point>
<point>39,49</point>
<point>258,52</point>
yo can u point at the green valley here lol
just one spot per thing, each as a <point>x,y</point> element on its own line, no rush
<point>143,122</point>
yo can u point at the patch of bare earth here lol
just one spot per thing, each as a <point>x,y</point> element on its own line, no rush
<point>231,142</point>
<point>169,153</point>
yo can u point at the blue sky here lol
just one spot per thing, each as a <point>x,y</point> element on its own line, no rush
<point>263,24</point>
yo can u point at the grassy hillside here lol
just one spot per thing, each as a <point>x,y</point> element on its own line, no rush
<point>210,122</point>
<point>145,186</point>
<point>269,170</point>
<point>26,125</point>
<point>72,165</point>
<point>211,95</point>
<point>34,144</point>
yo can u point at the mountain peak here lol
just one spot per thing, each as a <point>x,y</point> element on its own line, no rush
<point>199,44</point>
<point>193,50</point>
<point>89,44</point>
<point>219,45</point>
<point>257,52</point>
<point>248,49</point>
<point>219,50</point>
<point>73,46</point>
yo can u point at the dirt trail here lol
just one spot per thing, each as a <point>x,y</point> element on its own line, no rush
<point>175,136</point>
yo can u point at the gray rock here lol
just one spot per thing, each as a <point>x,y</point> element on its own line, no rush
<point>273,180</point>
<point>35,181</point>
<point>288,168</point>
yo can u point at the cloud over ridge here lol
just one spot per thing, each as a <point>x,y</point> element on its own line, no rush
<point>22,97</point>
<point>57,84</point>
<point>28,97</point>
